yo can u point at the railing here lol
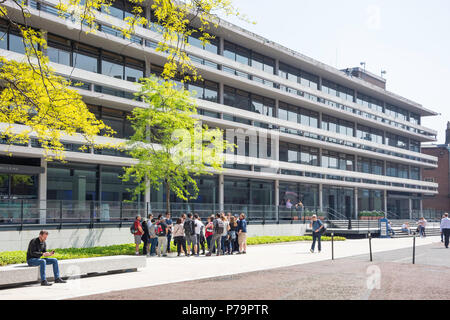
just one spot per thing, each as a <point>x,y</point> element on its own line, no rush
<point>67,213</point>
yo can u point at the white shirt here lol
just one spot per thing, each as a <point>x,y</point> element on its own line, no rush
<point>198,226</point>
<point>445,223</point>
<point>225,228</point>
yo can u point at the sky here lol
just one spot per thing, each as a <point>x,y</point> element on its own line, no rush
<point>410,40</point>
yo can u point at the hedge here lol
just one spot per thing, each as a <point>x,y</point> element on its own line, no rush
<point>16,257</point>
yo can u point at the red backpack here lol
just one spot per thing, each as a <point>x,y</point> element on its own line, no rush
<point>159,230</point>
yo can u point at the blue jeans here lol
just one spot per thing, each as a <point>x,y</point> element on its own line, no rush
<point>222,243</point>
<point>316,236</point>
<point>153,245</point>
<point>34,262</point>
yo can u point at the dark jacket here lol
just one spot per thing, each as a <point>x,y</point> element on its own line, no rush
<point>36,248</point>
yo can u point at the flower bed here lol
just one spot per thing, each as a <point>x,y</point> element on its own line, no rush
<point>371,215</point>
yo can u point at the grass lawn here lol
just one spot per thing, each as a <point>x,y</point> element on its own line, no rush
<point>15,257</point>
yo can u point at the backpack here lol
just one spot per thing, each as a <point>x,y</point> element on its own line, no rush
<point>132,228</point>
<point>189,227</point>
<point>218,226</point>
<point>159,230</point>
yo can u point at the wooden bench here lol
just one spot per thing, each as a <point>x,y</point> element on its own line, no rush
<point>22,273</point>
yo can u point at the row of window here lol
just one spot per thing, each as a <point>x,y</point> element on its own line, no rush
<point>300,154</point>
<point>78,55</point>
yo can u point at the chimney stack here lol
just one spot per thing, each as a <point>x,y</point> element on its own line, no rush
<point>447,134</point>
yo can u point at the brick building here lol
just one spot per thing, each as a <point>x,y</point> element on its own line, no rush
<point>440,175</point>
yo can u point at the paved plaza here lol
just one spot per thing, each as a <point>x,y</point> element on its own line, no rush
<point>173,269</point>
<point>344,278</point>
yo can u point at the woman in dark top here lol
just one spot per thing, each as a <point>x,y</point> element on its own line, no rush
<point>232,234</point>
<point>145,237</point>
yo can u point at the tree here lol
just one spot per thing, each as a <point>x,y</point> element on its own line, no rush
<point>171,144</point>
<point>44,103</point>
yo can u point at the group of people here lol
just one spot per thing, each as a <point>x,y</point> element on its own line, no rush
<point>222,234</point>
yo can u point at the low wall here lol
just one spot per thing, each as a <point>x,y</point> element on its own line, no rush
<point>85,238</point>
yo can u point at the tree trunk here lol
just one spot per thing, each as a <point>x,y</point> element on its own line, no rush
<point>167,196</point>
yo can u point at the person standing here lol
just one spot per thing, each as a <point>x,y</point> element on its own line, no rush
<point>242,234</point>
<point>299,207</point>
<point>153,237</point>
<point>169,223</point>
<point>138,232</point>
<point>38,248</point>
<point>145,236</point>
<point>288,204</point>
<point>224,238</point>
<point>161,231</point>
<point>232,234</point>
<point>199,229</point>
<point>217,235</point>
<point>178,237</point>
<point>445,229</point>
<point>209,231</point>
<point>189,231</point>
<point>317,227</point>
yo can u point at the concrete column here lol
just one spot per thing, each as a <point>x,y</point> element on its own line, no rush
<point>43,193</point>
<point>221,96</point>
<point>221,192</point>
<point>277,67</point>
<point>147,200</point>
<point>356,203</point>
<point>277,107</point>
<point>277,192</point>
<point>321,197</point>
<point>410,208</point>
<point>385,203</point>
<point>221,46</point>
<point>421,207</point>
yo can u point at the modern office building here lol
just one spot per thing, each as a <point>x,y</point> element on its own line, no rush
<point>336,140</point>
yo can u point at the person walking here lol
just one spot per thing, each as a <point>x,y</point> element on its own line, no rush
<point>242,234</point>
<point>179,237</point>
<point>38,248</point>
<point>189,231</point>
<point>153,237</point>
<point>445,229</point>
<point>169,223</point>
<point>209,231</point>
<point>138,232</point>
<point>217,235</point>
<point>317,227</point>
<point>442,234</point>
<point>232,235</point>
<point>161,231</point>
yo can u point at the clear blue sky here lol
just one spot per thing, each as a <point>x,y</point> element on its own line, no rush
<point>410,39</point>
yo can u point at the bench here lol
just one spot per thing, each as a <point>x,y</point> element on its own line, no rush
<point>22,273</point>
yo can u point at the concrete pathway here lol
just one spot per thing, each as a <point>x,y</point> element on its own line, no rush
<point>176,269</point>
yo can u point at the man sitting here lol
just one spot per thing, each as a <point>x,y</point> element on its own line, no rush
<point>38,248</point>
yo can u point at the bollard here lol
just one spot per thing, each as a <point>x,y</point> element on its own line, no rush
<point>370,246</point>
<point>332,246</point>
<point>414,249</point>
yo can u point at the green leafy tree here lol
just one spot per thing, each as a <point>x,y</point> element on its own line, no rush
<point>171,144</point>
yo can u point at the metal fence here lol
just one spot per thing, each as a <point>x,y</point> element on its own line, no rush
<point>67,212</point>
<point>23,213</point>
